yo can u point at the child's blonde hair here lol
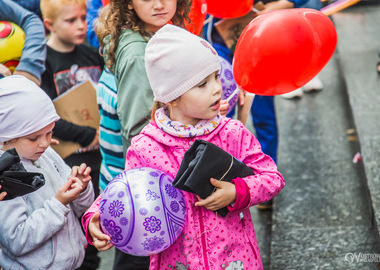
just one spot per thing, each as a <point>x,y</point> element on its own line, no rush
<point>50,9</point>
<point>117,17</point>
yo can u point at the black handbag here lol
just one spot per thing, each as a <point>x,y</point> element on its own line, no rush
<point>204,160</point>
<point>14,179</point>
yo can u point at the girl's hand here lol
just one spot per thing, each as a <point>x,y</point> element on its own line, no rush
<point>54,142</point>
<point>223,107</point>
<point>224,195</point>
<point>70,191</point>
<point>100,240</point>
<point>5,70</point>
<point>95,141</point>
<point>241,97</point>
<point>82,173</point>
<point>2,195</point>
<point>275,5</point>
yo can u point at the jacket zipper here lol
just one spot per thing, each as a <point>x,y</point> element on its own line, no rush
<point>73,248</point>
<point>54,238</point>
<point>248,239</point>
<point>66,220</point>
<point>203,238</point>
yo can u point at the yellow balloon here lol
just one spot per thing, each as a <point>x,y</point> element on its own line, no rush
<point>12,39</point>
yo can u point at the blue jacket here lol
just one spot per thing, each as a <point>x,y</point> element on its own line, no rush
<point>31,5</point>
<point>93,7</point>
<point>34,51</point>
<point>298,3</point>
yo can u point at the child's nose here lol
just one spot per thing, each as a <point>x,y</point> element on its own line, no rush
<point>158,4</point>
<point>82,23</point>
<point>217,87</point>
<point>43,143</point>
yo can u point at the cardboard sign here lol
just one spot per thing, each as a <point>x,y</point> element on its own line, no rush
<point>78,106</point>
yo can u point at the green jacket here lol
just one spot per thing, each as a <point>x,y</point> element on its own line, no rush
<point>134,94</point>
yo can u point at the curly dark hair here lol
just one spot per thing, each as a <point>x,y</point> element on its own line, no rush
<point>116,16</point>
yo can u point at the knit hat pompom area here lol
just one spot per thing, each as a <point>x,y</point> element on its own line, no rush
<point>176,61</point>
<point>24,108</point>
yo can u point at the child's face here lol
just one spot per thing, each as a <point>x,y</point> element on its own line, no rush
<point>34,145</point>
<point>154,13</point>
<point>200,102</point>
<point>70,26</point>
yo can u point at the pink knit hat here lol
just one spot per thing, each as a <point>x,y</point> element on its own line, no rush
<point>176,61</point>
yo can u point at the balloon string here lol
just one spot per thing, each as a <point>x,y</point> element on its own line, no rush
<point>216,215</point>
<point>233,94</point>
<point>209,19</point>
<point>255,10</point>
<point>224,175</point>
<point>209,29</point>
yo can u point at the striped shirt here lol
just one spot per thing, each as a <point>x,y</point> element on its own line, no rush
<point>111,145</point>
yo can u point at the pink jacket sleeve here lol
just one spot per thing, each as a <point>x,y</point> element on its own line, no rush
<point>87,217</point>
<point>242,195</point>
<point>267,181</point>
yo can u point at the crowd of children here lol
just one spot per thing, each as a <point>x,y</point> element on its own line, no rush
<point>157,86</point>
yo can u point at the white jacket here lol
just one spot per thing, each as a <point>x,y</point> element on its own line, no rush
<point>36,230</point>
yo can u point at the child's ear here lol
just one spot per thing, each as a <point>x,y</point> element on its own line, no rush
<point>173,103</point>
<point>48,24</point>
<point>7,145</point>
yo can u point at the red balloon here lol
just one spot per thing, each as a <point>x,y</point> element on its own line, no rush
<point>228,8</point>
<point>105,2</point>
<point>197,15</point>
<point>282,50</point>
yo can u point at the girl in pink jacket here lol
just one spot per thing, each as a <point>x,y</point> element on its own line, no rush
<point>183,72</point>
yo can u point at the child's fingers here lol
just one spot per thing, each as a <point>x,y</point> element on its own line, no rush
<point>102,245</point>
<point>223,195</point>
<point>241,97</point>
<point>76,183</point>
<point>216,183</point>
<point>74,192</point>
<point>82,168</point>
<point>94,228</point>
<point>54,142</point>
<point>67,186</point>
<point>223,107</point>
<point>204,202</point>
<point>87,171</point>
<point>220,184</point>
<point>210,203</point>
<point>74,171</point>
<point>86,179</point>
<point>68,192</point>
<point>2,195</point>
<point>100,241</point>
<point>73,189</point>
